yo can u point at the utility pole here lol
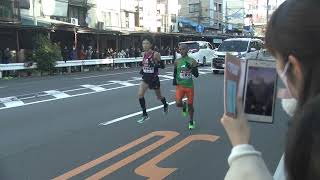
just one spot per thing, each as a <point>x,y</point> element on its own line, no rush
<point>267,10</point>
<point>167,17</point>
<point>200,13</point>
<point>35,22</point>
<point>227,18</point>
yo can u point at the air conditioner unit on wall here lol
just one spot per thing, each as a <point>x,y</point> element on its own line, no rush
<point>74,21</point>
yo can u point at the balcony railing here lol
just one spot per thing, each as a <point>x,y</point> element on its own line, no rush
<point>9,11</point>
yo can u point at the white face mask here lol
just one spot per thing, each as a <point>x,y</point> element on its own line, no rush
<point>283,76</point>
<point>289,106</point>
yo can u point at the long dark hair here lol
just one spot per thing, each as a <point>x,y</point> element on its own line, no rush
<point>294,29</point>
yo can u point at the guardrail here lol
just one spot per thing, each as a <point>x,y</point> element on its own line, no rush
<point>81,63</point>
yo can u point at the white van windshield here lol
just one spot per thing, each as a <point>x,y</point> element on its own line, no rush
<point>192,45</point>
<point>233,46</point>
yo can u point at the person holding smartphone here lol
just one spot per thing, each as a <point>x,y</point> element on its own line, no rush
<point>184,68</point>
<point>293,37</point>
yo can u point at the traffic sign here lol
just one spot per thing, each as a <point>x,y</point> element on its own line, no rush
<point>200,28</point>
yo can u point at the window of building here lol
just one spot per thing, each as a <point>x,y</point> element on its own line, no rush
<point>116,20</point>
<point>194,8</point>
<point>220,8</point>
<point>127,19</point>
<point>78,13</point>
<point>215,8</point>
<point>173,18</point>
<point>107,18</point>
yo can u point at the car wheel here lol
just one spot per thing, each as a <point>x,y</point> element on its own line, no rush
<point>215,71</point>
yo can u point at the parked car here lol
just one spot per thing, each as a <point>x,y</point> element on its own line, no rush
<point>235,46</point>
<point>203,52</point>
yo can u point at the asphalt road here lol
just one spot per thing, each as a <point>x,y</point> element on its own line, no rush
<point>83,126</point>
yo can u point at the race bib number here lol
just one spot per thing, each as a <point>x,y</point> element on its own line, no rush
<point>185,75</point>
<point>148,69</point>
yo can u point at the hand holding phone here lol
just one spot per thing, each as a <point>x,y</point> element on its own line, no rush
<point>238,129</point>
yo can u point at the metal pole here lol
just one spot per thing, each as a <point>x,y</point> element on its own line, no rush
<point>18,46</point>
<point>267,10</point>
<point>35,22</point>
<point>227,18</point>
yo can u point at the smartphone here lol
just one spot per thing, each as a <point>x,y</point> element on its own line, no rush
<point>233,83</point>
<point>260,90</point>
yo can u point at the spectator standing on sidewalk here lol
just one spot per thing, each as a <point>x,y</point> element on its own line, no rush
<point>89,53</point>
<point>131,52</point>
<point>127,53</point>
<point>73,54</point>
<point>65,53</point>
<point>7,57</point>
<point>95,54</point>
<point>82,53</point>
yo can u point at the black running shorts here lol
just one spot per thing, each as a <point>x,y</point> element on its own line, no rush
<point>152,81</point>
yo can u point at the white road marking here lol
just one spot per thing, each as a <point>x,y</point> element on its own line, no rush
<point>202,72</point>
<point>94,87</point>
<point>57,94</point>
<point>76,95</point>
<point>124,83</point>
<point>135,114</point>
<point>2,87</point>
<point>105,75</point>
<point>71,90</point>
<point>165,76</point>
<point>137,78</point>
<point>205,70</point>
<point>11,101</point>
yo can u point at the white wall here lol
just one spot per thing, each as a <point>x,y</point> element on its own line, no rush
<point>29,12</point>
<point>149,15</point>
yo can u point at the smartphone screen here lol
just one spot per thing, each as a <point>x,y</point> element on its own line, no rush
<point>261,81</point>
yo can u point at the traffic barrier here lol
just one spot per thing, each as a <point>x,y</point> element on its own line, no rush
<point>75,63</point>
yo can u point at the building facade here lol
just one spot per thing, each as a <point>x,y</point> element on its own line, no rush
<point>234,13</point>
<point>207,13</point>
<point>156,15</point>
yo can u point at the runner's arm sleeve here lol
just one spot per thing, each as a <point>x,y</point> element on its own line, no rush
<point>174,81</point>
